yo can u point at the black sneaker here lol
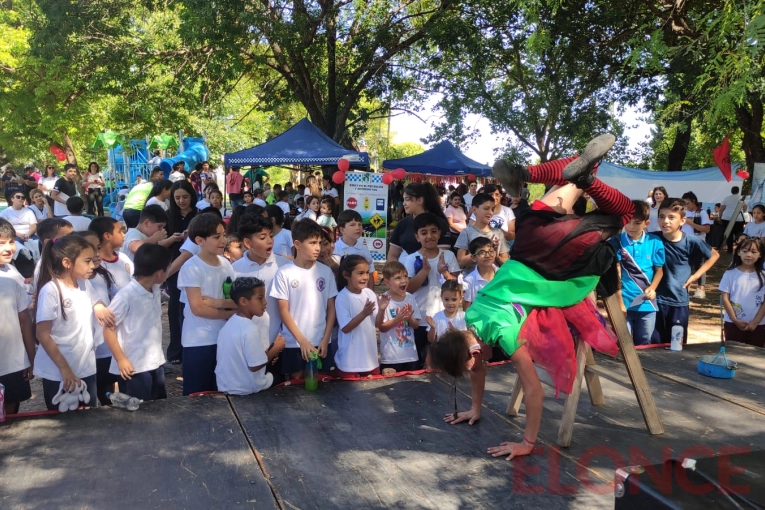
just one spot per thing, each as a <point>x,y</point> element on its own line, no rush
<point>580,170</point>
<point>512,177</point>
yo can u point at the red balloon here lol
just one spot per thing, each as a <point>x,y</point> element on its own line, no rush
<point>343,165</point>
<point>338,177</point>
<point>399,173</point>
<point>60,156</point>
<point>743,174</point>
<point>54,150</point>
<point>387,178</point>
<point>470,177</point>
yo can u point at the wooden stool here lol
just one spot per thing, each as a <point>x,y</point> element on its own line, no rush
<point>587,368</point>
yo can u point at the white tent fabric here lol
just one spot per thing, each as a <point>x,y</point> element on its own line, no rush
<point>708,184</point>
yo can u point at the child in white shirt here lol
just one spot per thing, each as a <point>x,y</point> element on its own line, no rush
<point>356,308</point>
<point>397,319</point>
<point>135,341</point>
<point>351,229</point>
<point>150,229</point>
<point>452,316</point>
<point>17,344</point>
<point>482,252</point>
<point>282,237</point>
<point>207,308</point>
<point>242,346</point>
<point>426,273</point>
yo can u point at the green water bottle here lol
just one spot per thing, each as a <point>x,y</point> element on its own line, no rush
<point>312,372</point>
<point>227,288</point>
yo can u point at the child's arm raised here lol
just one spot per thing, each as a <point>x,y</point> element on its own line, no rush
<point>46,341</point>
<point>369,308</point>
<point>201,309</point>
<point>324,344</point>
<point>284,311</point>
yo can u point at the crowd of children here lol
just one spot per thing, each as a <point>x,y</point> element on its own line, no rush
<point>262,294</point>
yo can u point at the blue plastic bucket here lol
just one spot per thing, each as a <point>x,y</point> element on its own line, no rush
<point>717,366</point>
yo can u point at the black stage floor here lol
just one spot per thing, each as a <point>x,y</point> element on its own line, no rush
<point>373,444</point>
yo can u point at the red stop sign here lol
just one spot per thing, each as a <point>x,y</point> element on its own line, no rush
<point>352,203</point>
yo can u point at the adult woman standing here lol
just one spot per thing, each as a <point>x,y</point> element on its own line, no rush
<point>455,213</point>
<point>183,207</point>
<point>659,194</point>
<point>94,185</point>
<point>418,198</point>
<point>47,181</point>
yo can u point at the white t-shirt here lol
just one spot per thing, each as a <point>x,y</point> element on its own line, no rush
<point>266,272</point>
<point>653,220</point>
<point>702,219</point>
<point>753,229</point>
<point>284,206</point>
<point>744,293</point>
<point>190,246</point>
<point>429,297</point>
<point>79,223</point>
<point>102,293</point>
<point>121,269</point>
<point>91,179</point>
<point>40,215</point>
<point>239,348</point>
<point>468,199</point>
<point>501,220</point>
<point>176,176</point>
<point>164,204</point>
<point>308,214</point>
<point>442,322</point>
<point>198,331</point>
<point>360,248</point>
<point>472,283</point>
<point>730,202</point>
<point>47,183</point>
<point>21,220</point>
<point>356,350</point>
<point>13,301</point>
<point>138,314</point>
<point>259,201</point>
<point>133,234</point>
<point>10,271</point>
<point>283,243</point>
<point>73,335</point>
<point>307,291</point>
<point>397,344</point>
<point>203,204</point>
<point>331,192</point>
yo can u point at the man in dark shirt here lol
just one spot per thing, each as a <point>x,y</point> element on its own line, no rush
<point>12,183</point>
<point>64,188</point>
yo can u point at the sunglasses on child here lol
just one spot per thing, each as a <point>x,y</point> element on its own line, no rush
<point>19,196</point>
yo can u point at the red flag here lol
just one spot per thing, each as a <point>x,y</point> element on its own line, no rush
<point>722,158</point>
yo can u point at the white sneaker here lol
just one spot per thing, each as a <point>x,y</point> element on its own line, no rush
<point>699,294</point>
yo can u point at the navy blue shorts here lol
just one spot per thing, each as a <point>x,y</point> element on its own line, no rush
<point>400,367</point>
<point>292,361</point>
<point>199,369</point>
<point>668,317</point>
<point>103,377</point>
<point>17,390</point>
<point>50,388</point>
<point>149,385</point>
<point>328,363</point>
<point>276,370</point>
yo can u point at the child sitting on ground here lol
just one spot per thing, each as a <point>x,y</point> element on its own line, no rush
<point>641,267</point>
<point>75,205</point>
<point>242,346</point>
<point>356,308</point>
<point>306,292</point>
<point>426,267</point>
<point>680,250</point>
<point>207,309</point>
<point>483,254</point>
<point>452,316</point>
<point>483,209</point>
<point>136,339</point>
<point>397,318</point>
<point>351,243</point>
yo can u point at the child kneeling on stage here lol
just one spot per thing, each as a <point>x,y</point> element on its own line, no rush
<point>136,339</point>
<point>557,261</point>
<point>243,347</point>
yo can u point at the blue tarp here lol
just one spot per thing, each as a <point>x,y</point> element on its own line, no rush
<point>302,144</point>
<point>443,159</point>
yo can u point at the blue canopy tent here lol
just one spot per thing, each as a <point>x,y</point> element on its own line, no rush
<point>302,144</point>
<point>443,159</point>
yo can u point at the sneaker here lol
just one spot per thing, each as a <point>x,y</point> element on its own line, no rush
<point>512,177</point>
<point>580,170</point>
<point>699,294</point>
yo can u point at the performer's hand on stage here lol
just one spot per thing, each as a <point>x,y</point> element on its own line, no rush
<point>470,416</point>
<point>512,450</point>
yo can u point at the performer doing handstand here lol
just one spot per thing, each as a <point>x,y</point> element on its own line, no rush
<point>527,309</point>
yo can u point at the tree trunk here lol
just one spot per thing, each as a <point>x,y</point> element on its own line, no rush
<point>68,149</point>
<point>679,150</point>
<point>750,123</point>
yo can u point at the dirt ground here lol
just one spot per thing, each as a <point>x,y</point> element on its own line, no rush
<point>704,327</point>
